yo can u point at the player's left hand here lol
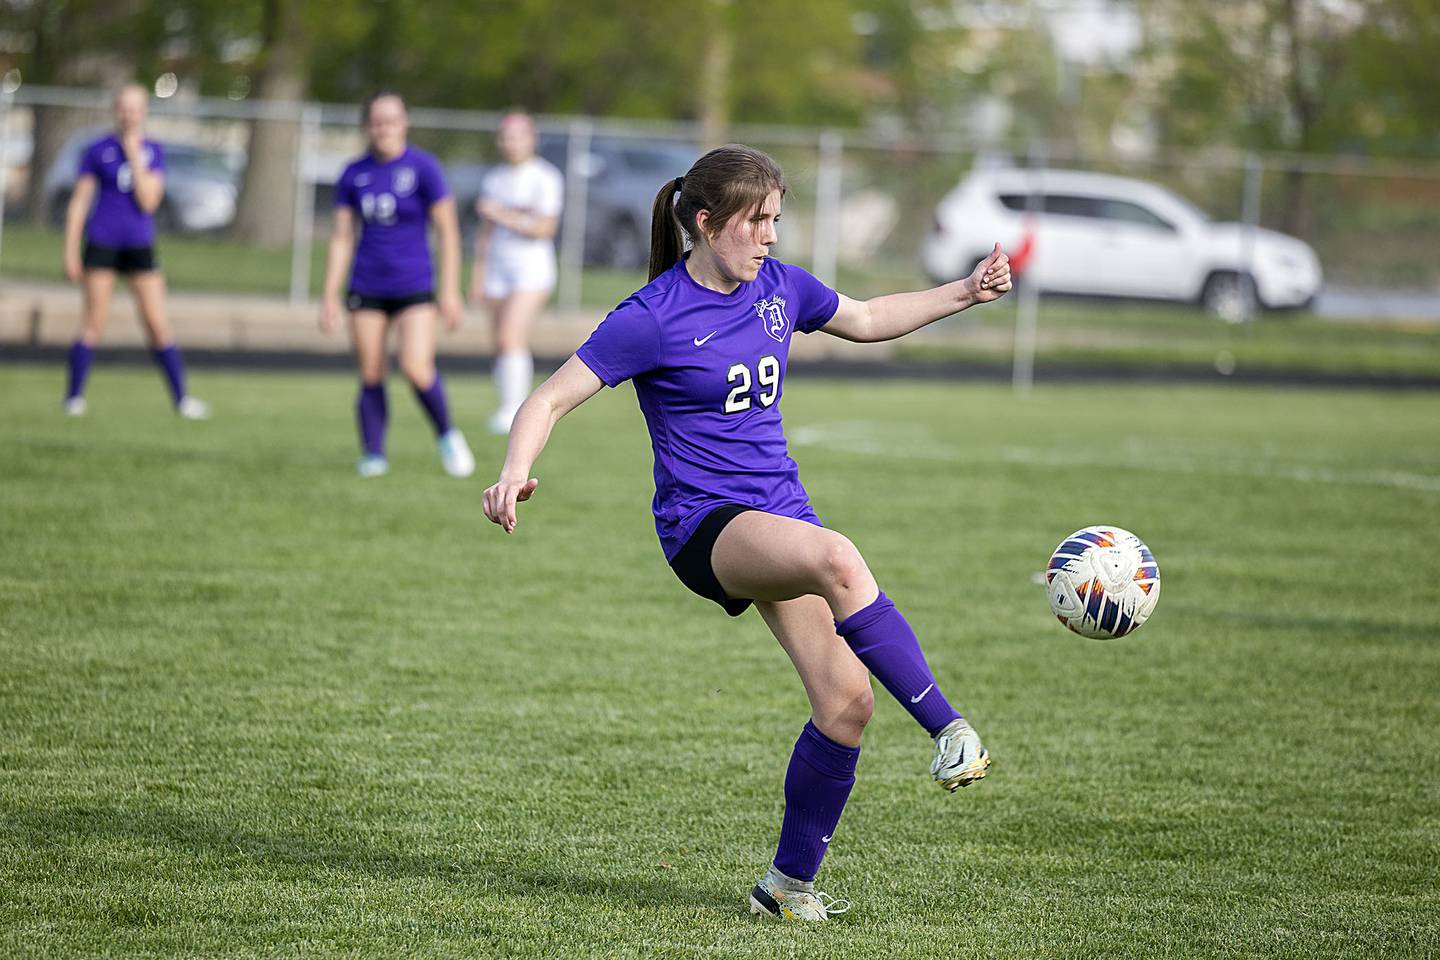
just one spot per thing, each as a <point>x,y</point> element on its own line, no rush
<point>452,310</point>
<point>489,209</point>
<point>501,497</point>
<point>991,279</point>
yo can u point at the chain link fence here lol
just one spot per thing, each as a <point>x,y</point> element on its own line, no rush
<point>864,212</point>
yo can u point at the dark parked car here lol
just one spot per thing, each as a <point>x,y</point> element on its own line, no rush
<point>201,185</point>
<point>622,177</point>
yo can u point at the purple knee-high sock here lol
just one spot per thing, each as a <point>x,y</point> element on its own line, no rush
<point>174,369</point>
<point>81,354</point>
<point>372,412</point>
<point>433,400</point>
<point>885,643</point>
<point>817,785</point>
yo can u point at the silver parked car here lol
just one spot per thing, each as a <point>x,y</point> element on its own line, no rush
<point>1107,236</point>
<point>201,185</point>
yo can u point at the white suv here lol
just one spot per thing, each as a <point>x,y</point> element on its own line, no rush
<point>1098,235</point>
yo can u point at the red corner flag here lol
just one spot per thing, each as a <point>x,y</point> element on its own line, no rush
<point>1020,259</point>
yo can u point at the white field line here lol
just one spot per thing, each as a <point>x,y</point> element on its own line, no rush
<point>887,440</point>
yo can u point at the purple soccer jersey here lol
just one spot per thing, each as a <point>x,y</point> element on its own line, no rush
<point>392,200</point>
<point>117,220</point>
<point>709,370</point>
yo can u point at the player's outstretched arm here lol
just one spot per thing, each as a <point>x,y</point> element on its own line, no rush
<point>567,388</point>
<point>75,215</point>
<point>889,317</point>
<point>337,267</point>
<point>447,228</point>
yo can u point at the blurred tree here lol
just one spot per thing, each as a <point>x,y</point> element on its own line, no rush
<point>265,211</point>
<point>81,43</point>
<point>621,57</point>
<point>1259,74</point>
<point>1395,52</point>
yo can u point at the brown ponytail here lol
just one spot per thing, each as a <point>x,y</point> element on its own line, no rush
<point>666,244</point>
<point>725,181</point>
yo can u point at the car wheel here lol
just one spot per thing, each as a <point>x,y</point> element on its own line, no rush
<point>166,220</point>
<point>1230,296</point>
<point>628,247</point>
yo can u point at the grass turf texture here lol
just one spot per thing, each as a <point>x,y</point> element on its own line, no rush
<point>252,705</point>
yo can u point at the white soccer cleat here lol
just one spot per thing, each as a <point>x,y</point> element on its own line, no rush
<point>960,757</point>
<point>500,421</point>
<point>372,465</point>
<point>771,897</point>
<point>75,406</point>
<point>193,408</point>
<point>455,454</point>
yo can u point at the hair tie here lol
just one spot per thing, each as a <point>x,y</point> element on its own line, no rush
<point>679,184</point>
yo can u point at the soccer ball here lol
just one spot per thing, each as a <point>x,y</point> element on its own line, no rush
<point>1103,582</point>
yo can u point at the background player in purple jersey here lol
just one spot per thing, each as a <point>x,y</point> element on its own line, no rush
<point>706,343</point>
<point>123,175</point>
<point>395,192</point>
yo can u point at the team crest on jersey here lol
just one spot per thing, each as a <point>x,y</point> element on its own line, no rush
<point>772,316</point>
<point>404,182</point>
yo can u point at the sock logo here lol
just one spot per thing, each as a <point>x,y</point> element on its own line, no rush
<point>917,699</point>
<point>826,839</point>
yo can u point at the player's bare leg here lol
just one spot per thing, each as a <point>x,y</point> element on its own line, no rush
<point>822,767</point>
<point>148,289</point>
<point>767,557</point>
<point>836,683</point>
<point>99,287</point>
<point>512,317</point>
<point>417,361</point>
<point>367,334</point>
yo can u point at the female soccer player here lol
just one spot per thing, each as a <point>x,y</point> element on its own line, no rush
<point>128,173</point>
<point>706,342</point>
<point>514,270</point>
<point>395,190</point>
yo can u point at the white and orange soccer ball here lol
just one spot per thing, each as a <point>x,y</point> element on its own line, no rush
<point>1103,582</point>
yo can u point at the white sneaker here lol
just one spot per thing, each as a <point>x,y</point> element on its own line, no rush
<point>784,899</point>
<point>455,454</point>
<point>75,406</point>
<point>960,757</point>
<point>500,421</point>
<point>193,408</point>
<point>372,465</point>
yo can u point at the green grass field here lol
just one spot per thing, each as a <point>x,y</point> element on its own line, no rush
<point>252,705</point>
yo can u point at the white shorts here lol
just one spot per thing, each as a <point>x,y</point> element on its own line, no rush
<point>509,271</point>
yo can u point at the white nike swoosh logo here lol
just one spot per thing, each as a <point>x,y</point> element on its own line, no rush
<point>826,839</point>
<point>922,694</point>
<point>700,343</point>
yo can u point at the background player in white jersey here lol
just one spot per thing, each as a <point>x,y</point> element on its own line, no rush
<point>394,192</point>
<point>123,175</point>
<point>706,344</point>
<point>514,273</point>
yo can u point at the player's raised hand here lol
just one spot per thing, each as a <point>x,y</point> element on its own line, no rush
<point>500,500</point>
<point>991,279</point>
